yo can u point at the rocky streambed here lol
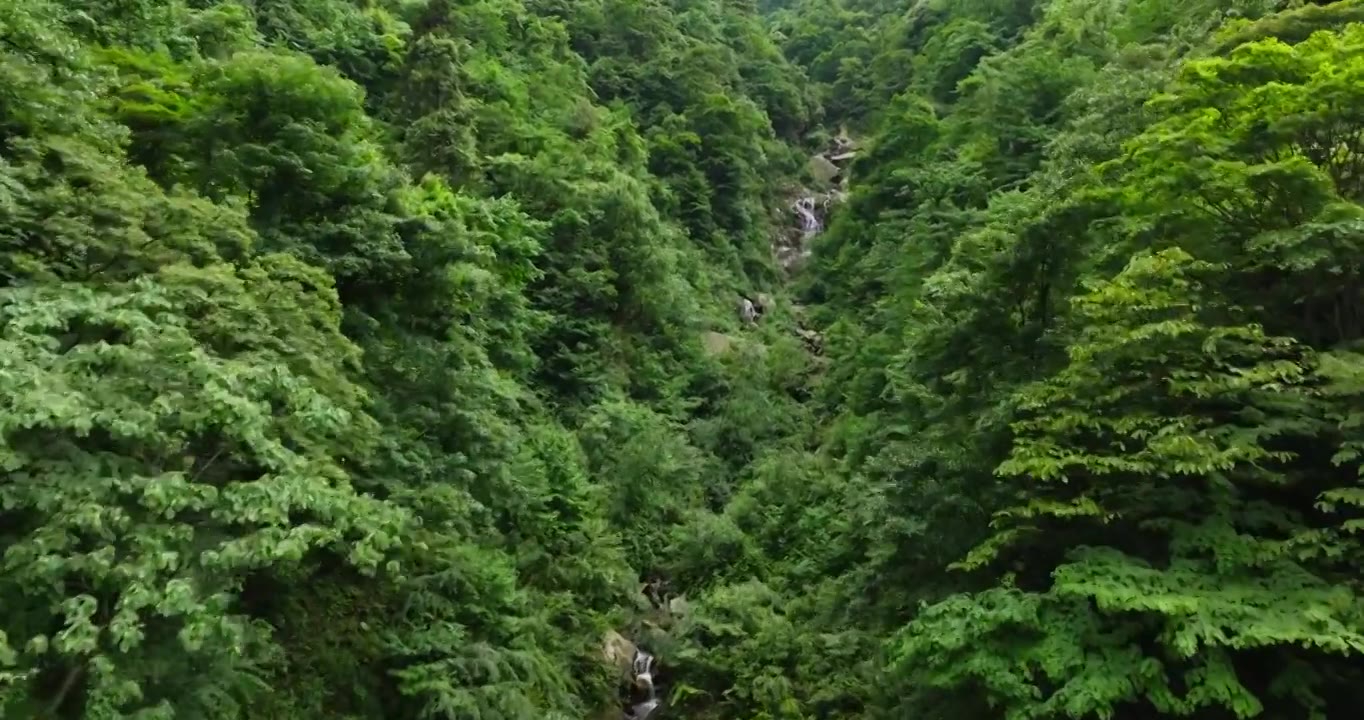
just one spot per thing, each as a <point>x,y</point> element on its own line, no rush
<point>810,206</point>
<point>637,668</point>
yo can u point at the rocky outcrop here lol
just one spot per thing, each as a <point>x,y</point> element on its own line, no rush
<point>635,669</point>
<point>619,653</point>
<point>814,342</point>
<point>748,312</point>
<point>678,607</point>
<point>824,170</point>
<point>810,208</point>
<point>829,166</point>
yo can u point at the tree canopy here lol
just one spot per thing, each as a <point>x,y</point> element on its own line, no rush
<point>378,358</point>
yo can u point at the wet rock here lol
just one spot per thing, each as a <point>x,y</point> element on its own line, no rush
<point>810,222</point>
<point>765,303</point>
<point>791,246</point>
<point>747,312</point>
<point>656,591</point>
<point>643,669</point>
<point>644,709</point>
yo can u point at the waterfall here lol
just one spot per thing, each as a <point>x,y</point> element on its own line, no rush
<point>828,169</point>
<point>644,677</point>
<point>810,223</point>
<point>792,249</point>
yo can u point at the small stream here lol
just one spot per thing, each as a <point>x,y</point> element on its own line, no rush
<point>789,252</point>
<point>644,678</point>
<point>810,224</point>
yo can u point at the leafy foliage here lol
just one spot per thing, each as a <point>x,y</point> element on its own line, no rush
<point>351,359</point>
<point>301,303</point>
<point>1091,309</point>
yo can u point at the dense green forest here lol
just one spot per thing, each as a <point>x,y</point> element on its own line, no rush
<point>397,359</point>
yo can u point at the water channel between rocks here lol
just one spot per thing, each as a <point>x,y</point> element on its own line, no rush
<point>644,679</point>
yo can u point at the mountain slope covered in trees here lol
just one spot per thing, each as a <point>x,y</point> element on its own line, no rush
<point>351,359</point>
<point>362,359</point>
<point>1092,312</point>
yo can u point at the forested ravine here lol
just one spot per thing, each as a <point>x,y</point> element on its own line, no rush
<point>789,251</point>
<point>784,360</point>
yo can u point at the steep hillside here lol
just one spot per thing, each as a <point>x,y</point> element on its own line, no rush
<point>835,359</point>
<point>352,352</point>
<point>1089,435</point>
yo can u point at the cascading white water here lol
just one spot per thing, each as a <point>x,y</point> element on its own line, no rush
<point>792,251</point>
<point>810,223</point>
<point>644,677</point>
<point>788,254</point>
